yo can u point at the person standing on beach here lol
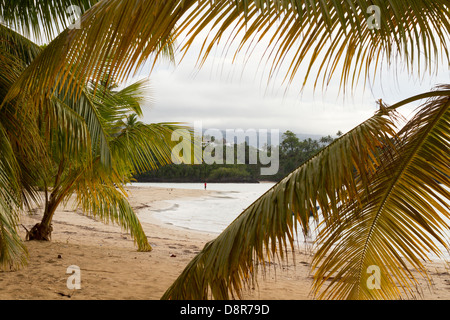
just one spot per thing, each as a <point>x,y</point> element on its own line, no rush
<point>205,185</point>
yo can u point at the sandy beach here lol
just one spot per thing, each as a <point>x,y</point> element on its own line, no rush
<point>111,267</point>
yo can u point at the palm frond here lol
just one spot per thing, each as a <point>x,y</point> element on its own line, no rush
<point>326,36</point>
<point>131,30</point>
<point>12,251</point>
<point>145,147</point>
<point>340,176</point>
<point>18,124</point>
<point>91,132</point>
<point>16,54</point>
<point>401,220</point>
<point>268,226</point>
<point>100,194</point>
<point>333,33</point>
<point>128,99</point>
<point>41,19</point>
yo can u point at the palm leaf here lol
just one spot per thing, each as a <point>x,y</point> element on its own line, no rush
<point>123,46</point>
<point>327,35</point>
<point>335,178</point>
<point>402,218</point>
<point>334,33</point>
<point>146,147</point>
<point>16,53</point>
<point>19,129</point>
<point>98,196</point>
<point>76,136</point>
<point>268,226</point>
<point>41,19</point>
<point>12,251</point>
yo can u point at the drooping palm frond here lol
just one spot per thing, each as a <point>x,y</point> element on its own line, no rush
<point>131,32</point>
<point>16,53</point>
<point>18,129</point>
<point>100,194</point>
<point>100,191</point>
<point>403,217</point>
<point>90,135</point>
<point>129,99</point>
<point>12,251</point>
<point>56,121</point>
<point>147,146</point>
<point>335,178</point>
<point>82,125</point>
<point>17,188</point>
<point>137,146</point>
<point>331,33</point>
<point>325,36</point>
<point>74,136</point>
<point>43,19</point>
<point>268,226</point>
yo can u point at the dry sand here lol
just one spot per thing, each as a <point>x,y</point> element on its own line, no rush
<point>111,267</point>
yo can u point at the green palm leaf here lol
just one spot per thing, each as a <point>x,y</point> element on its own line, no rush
<point>338,177</point>
<point>131,147</point>
<point>12,251</point>
<point>123,46</point>
<point>98,196</point>
<point>268,226</point>
<point>20,146</point>
<point>326,34</point>
<point>64,143</point>
<point>332,33</point>
<point>146,146</point>
<point>41,19</point>
<point>402,218</point>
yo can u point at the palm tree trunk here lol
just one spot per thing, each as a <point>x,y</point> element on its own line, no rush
<point>43,230</point>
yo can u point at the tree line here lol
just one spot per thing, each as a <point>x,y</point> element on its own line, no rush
<point>292,153</point>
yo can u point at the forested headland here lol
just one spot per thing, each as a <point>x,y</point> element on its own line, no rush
<point>292,153</point>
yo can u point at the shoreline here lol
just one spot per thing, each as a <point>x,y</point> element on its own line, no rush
<point>112,268</point>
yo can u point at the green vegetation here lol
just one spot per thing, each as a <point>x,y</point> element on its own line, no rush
<point>292,151</point>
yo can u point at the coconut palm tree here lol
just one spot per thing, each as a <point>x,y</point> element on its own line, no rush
<point>379,187</point>
<point>19,148</point>
<point>69,146</point>
<point>132,147</point>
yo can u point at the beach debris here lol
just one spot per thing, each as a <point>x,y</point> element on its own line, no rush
<point>59,256</point>
<point>62,294</point>
<point>172,255</point>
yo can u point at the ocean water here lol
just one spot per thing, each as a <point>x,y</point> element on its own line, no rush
<point>211,213</point>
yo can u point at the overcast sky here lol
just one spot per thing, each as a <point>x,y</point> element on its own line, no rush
<point>224,95</point>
